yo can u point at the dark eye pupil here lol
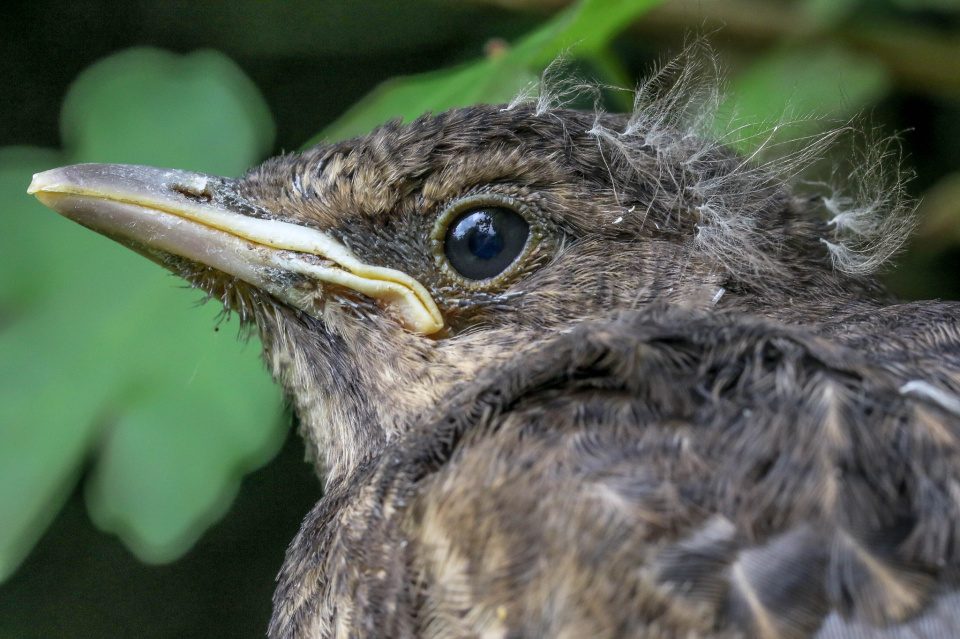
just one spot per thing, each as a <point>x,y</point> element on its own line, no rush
<point>482,242</point>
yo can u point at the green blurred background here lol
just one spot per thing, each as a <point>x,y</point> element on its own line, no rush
<point>148,480</point>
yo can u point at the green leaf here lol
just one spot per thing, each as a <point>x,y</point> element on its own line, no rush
<point>828,13</point>
<point>585,28</point>
<point>29,236</point>
<point>104,358</point>
<point>125,108</point>
<point>209,432</point>
<point>796,88</point>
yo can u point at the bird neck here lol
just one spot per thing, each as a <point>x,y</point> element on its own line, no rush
<point>355,385</point>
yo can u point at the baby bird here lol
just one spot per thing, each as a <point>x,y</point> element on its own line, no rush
<point>569,374</point>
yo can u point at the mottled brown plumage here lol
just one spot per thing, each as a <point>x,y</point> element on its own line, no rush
<point>684,411</point>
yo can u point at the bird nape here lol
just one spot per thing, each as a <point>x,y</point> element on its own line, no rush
<point>570,374</point>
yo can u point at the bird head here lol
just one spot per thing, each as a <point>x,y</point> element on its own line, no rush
<point>384,270</point>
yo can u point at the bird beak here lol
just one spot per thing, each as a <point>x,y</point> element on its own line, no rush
<point>199,217</point>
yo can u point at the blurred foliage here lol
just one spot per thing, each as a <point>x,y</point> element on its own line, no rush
<point>586,29</point>
<point>798,90</point>
<point>110,376</point>
<point>100,354</point>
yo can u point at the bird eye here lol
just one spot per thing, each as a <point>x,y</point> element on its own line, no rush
<point>483,241</point>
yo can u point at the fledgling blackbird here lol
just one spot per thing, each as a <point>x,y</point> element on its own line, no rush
<point>570,374</point>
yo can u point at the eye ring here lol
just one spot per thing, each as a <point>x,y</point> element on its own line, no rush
<point>490,234</point>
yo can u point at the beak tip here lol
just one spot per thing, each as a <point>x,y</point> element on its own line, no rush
<point>36,184</point>
<point>44,181</point>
